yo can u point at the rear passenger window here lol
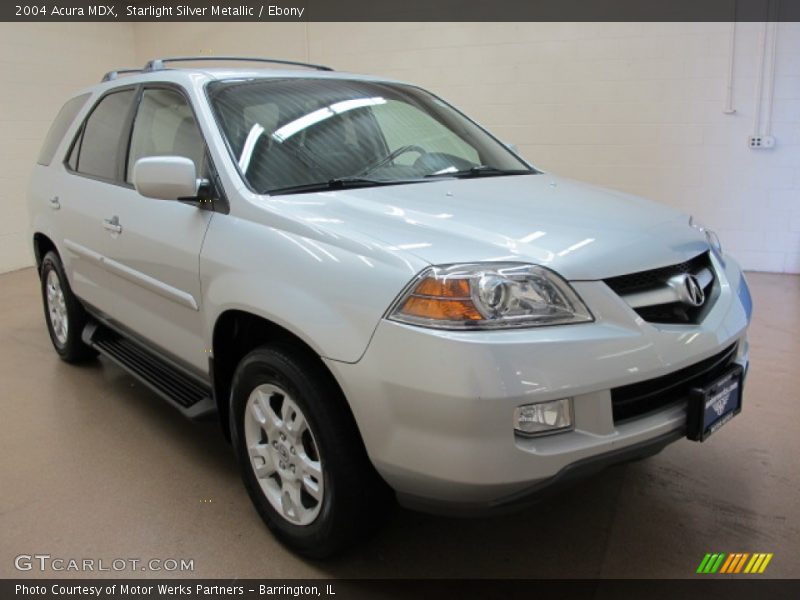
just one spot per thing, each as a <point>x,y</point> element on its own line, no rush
<point>104,141</point>
<point>59,127</point>
<point>165,126</point>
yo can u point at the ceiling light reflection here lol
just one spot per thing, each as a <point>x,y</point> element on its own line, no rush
<point>574,247</point>
<point>284,133</point>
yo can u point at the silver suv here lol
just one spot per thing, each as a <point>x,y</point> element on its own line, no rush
<point>377,297</point>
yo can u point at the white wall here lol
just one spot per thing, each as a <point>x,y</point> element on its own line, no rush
<point>41,65</point>
<point>635,106</point>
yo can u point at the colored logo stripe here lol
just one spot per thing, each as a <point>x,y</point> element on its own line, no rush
<point>711,563</point>
<point>758,563</point>
<point>734,563</point>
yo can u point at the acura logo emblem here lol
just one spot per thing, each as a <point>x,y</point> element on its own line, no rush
<point>691,292</point>
<point>688,289</point>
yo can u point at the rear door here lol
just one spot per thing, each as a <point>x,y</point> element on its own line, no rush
<point>83,196</point>
<point>155,251</point>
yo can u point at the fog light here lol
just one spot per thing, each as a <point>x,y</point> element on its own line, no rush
<point>543,418</point>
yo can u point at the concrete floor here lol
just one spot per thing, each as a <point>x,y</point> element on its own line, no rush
<point>92,465</point>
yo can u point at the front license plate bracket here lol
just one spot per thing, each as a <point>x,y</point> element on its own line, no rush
<point>712,406</point>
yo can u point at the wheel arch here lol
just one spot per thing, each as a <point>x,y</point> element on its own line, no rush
<point>42,244</point>
<point>237,332</point>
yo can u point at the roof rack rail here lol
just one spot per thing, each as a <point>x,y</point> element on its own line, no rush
<point>157,64</point>
<point>112,75</point>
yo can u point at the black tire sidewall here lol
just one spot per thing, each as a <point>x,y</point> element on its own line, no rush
<point>342,462</point>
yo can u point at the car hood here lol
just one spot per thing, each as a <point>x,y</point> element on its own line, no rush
<point>580,231</point>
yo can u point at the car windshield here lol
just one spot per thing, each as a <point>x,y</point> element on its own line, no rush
<point>294,134</point>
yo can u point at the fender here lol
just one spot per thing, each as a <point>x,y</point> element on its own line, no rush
<point>298,283</point>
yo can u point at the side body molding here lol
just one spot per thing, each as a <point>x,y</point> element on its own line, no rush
<point>154,285</point>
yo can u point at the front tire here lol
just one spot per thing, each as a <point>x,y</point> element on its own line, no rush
<point>63,312</point>
<point>300,453</point>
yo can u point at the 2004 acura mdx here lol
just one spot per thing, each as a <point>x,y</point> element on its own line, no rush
<point>376,296</point>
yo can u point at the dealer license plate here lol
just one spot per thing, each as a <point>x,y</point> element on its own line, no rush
<point>712,406</point>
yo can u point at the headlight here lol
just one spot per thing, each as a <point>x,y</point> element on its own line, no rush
<point>489,296</point>
<point>711,237</point>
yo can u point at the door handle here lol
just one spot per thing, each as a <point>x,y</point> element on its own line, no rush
<point>54,203</point>
<point>112,224</point>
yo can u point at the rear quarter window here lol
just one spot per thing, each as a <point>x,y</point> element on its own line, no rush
<point>63,120</point>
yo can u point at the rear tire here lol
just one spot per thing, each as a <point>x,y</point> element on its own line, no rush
<point>300,453</point>
<point>63,312</point>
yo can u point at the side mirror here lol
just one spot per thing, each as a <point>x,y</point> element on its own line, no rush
<point>165,177</point>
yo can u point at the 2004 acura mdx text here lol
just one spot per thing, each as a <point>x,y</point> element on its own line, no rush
<point>377,297</point>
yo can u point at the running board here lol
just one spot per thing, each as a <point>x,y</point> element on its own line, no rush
<point>186,393</point>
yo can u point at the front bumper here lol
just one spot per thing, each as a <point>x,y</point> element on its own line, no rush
<point>435,408</point>
<point>533,492</point>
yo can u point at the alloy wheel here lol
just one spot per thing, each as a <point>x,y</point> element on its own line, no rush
<point>57,307</point>
<point>284,454</point>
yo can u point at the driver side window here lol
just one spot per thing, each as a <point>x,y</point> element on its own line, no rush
<point>403,125</point>
<point>165,126</point>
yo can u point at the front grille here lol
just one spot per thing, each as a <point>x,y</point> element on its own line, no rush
<point>646,280</point>
<point>672,312</point>
<point>637,399</point>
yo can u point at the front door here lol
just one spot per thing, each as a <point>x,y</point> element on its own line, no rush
<point>155,252</point>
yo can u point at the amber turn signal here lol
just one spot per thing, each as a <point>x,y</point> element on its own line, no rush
<point>441,309</point>
<point>446,299</point>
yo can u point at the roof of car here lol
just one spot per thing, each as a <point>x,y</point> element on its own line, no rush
<point>160,68</point>
<point>223,73</point>
<point>188,76</point>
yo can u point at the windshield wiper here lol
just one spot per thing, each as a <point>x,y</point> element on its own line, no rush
<point>371,168</point>
<point>481,171</point>
<point>338,183</point>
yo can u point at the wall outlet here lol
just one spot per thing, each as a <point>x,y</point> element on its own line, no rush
<point>761,141</point>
